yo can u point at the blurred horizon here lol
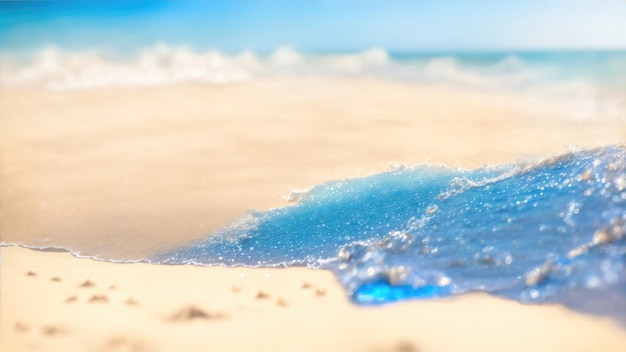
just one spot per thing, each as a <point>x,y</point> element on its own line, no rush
<point>315,26</point>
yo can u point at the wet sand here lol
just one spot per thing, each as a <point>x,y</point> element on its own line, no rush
<point>125,172</point>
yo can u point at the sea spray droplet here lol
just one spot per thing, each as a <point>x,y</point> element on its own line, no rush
<point>531,231</point>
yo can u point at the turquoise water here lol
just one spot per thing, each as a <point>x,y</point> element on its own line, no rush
<point>543,231</point>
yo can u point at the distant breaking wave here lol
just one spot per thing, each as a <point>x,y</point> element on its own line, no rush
<point>583,82</point>
<point>163,65</point>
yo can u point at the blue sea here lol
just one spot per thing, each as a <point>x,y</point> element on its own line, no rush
<point>547,231</point>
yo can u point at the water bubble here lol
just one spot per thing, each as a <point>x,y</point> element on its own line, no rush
<point>508,259</point>
<point>371,271</point>
<point>620,182</point>
<point>444,281</point>
<point>593,282</point>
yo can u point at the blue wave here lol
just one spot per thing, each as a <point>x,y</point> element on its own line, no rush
<point>535,232</point>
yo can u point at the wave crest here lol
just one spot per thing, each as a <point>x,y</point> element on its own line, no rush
<point>163,64</point>
<point>160,65</point>
<point>539,83</point>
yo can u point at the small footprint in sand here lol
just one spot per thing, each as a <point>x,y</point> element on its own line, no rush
<point>305,285</point>
<point>235,288</point>
<point>281,302</point>
<point>262,295</point>
<point>55,279</point>
<point>21,327</point>
<point>131,302</point>
<point>98,298</point>
<point>51,330</point>
<point>87,283</point>
<point>71,299</point>
<point>31,273</point>
<point>401,346</point>
<point>320,292</point>
<point>192,313</point>
<point>406,346</point>
<point>122,344</point>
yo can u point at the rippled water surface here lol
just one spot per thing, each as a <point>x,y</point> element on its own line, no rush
<point>531,231</point>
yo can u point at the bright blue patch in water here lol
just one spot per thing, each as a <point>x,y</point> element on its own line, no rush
<point>384,292</point>
<point>533,232</point>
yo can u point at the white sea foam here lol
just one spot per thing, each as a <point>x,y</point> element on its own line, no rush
<point>159,65</point>
<point>296,195</point>
<point>357,63</point>
<point>74,253</point>
<point>164,64</point>
<point>286,57</point>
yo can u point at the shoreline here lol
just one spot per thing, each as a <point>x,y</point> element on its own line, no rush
<point>82,304</point>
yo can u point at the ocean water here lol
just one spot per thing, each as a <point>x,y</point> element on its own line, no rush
<point>541,231</point>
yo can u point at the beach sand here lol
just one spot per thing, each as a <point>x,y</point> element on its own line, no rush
<point>125,172</point>
<point>140,307</point>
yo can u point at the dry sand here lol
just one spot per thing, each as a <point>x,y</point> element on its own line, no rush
<point>129,169</point>
<point>140,307</point>
<point>125,172</point>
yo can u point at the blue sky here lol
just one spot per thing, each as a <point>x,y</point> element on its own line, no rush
<point>339,25</point>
